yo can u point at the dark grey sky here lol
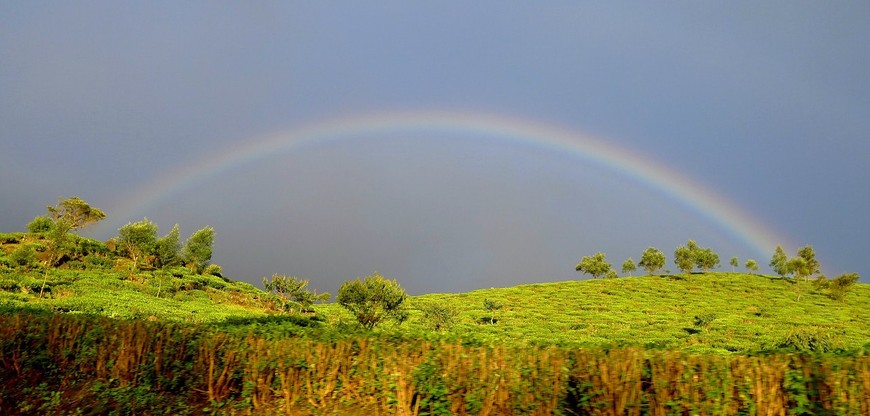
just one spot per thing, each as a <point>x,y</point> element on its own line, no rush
<point>765,104</point>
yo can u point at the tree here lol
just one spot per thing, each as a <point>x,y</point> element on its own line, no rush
<point>706,259</point>
<point>198,249</point>
<point>779,262</point>
<point>841,285</point>
<point>168,248</point>
<point>491,306</point>
<point>628,266</point>
<point>812,266</point>
<point>652,260</point>
<point>734,264</point>
<point>138,240</point>
<point>292,292</point>
<point>751,265</point>
<point>684,258</point>
<point>75,212</point>
<point>372,299</point>
<point>439,315</point>
<point>70,214</point>
<point>594,265</point>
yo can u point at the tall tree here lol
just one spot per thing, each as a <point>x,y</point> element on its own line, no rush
<point>628,266</point>
<point>734,264</point>
<point>684,258</point>
<point>168,249</point>
<point>779,262</point>
<point>813,266</point>
<point>595,265</point>
<point>652,260</point>
<point>138,240</point>
<point>198,249</point>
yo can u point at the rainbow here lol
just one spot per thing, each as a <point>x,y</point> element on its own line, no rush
<point>672,184</point>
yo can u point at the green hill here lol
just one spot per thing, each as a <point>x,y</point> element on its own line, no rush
<point>722,312</point>
<point>714,312</point>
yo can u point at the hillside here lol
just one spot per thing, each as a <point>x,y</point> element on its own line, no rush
<point>735,313</point>
<point>716,312</point>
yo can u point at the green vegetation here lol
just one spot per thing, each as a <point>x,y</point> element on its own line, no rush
<point>142,323</point>
<point>373,299</point>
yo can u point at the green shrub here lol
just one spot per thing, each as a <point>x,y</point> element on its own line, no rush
<point>24,256</point>
<point>704,320</point>
<point>40,224</point>
<point>809,340</point>
<point>439,316</point>
<point>11,238</point>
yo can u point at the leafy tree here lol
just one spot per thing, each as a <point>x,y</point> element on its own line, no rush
<point>799,267</point>
<point>40,224</point>
<point>70,214</point>
<point>491,306</point>
<point>628,266</point>
<point>751,265</point>
<point>779,262</point>
<point>439,316</point>
<point>652,260</point>
<point>198,249</point>
<point>138,240</point>
<point>684,258</point>
<point>168,249</point>
<point>595,265</point>
<point>293,293</point>
<point>372,299</point>
<point>841,285</point>
<point>812,266</point>
<point>734,264</point>
<point>75,212</point>
<point>706,259</point>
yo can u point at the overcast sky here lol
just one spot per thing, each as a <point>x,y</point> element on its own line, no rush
<point>765,104</point>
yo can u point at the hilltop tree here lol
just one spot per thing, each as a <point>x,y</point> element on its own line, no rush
<point>595,265</point>
<point>841,285</point>
<point>652,260</point>
<point>68,215</point>
<point>138,239</point>
<point>779,262</point>
<point>372,299</point>
<point>684,258</point>
<point>706,259</point>
<point>75,213</point>
<point>628,266</point>
<point>751,265</point>
<point>167,249</point>
<point>291,290</point>
<point>734,264</point>
<point>198,249</point>
<point>812,266</point>
<point>799,267</point>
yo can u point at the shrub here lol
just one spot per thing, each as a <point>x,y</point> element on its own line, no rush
<point>373,299</point>
<point>24,256</point>
<point>809,340</point>
<point>704,320</point>
<point>439,316</point>
<point>40,224</point>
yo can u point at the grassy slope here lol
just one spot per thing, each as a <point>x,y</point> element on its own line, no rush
<point>752,313</point>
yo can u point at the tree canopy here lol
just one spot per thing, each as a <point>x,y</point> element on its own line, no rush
<point>594,265</point>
